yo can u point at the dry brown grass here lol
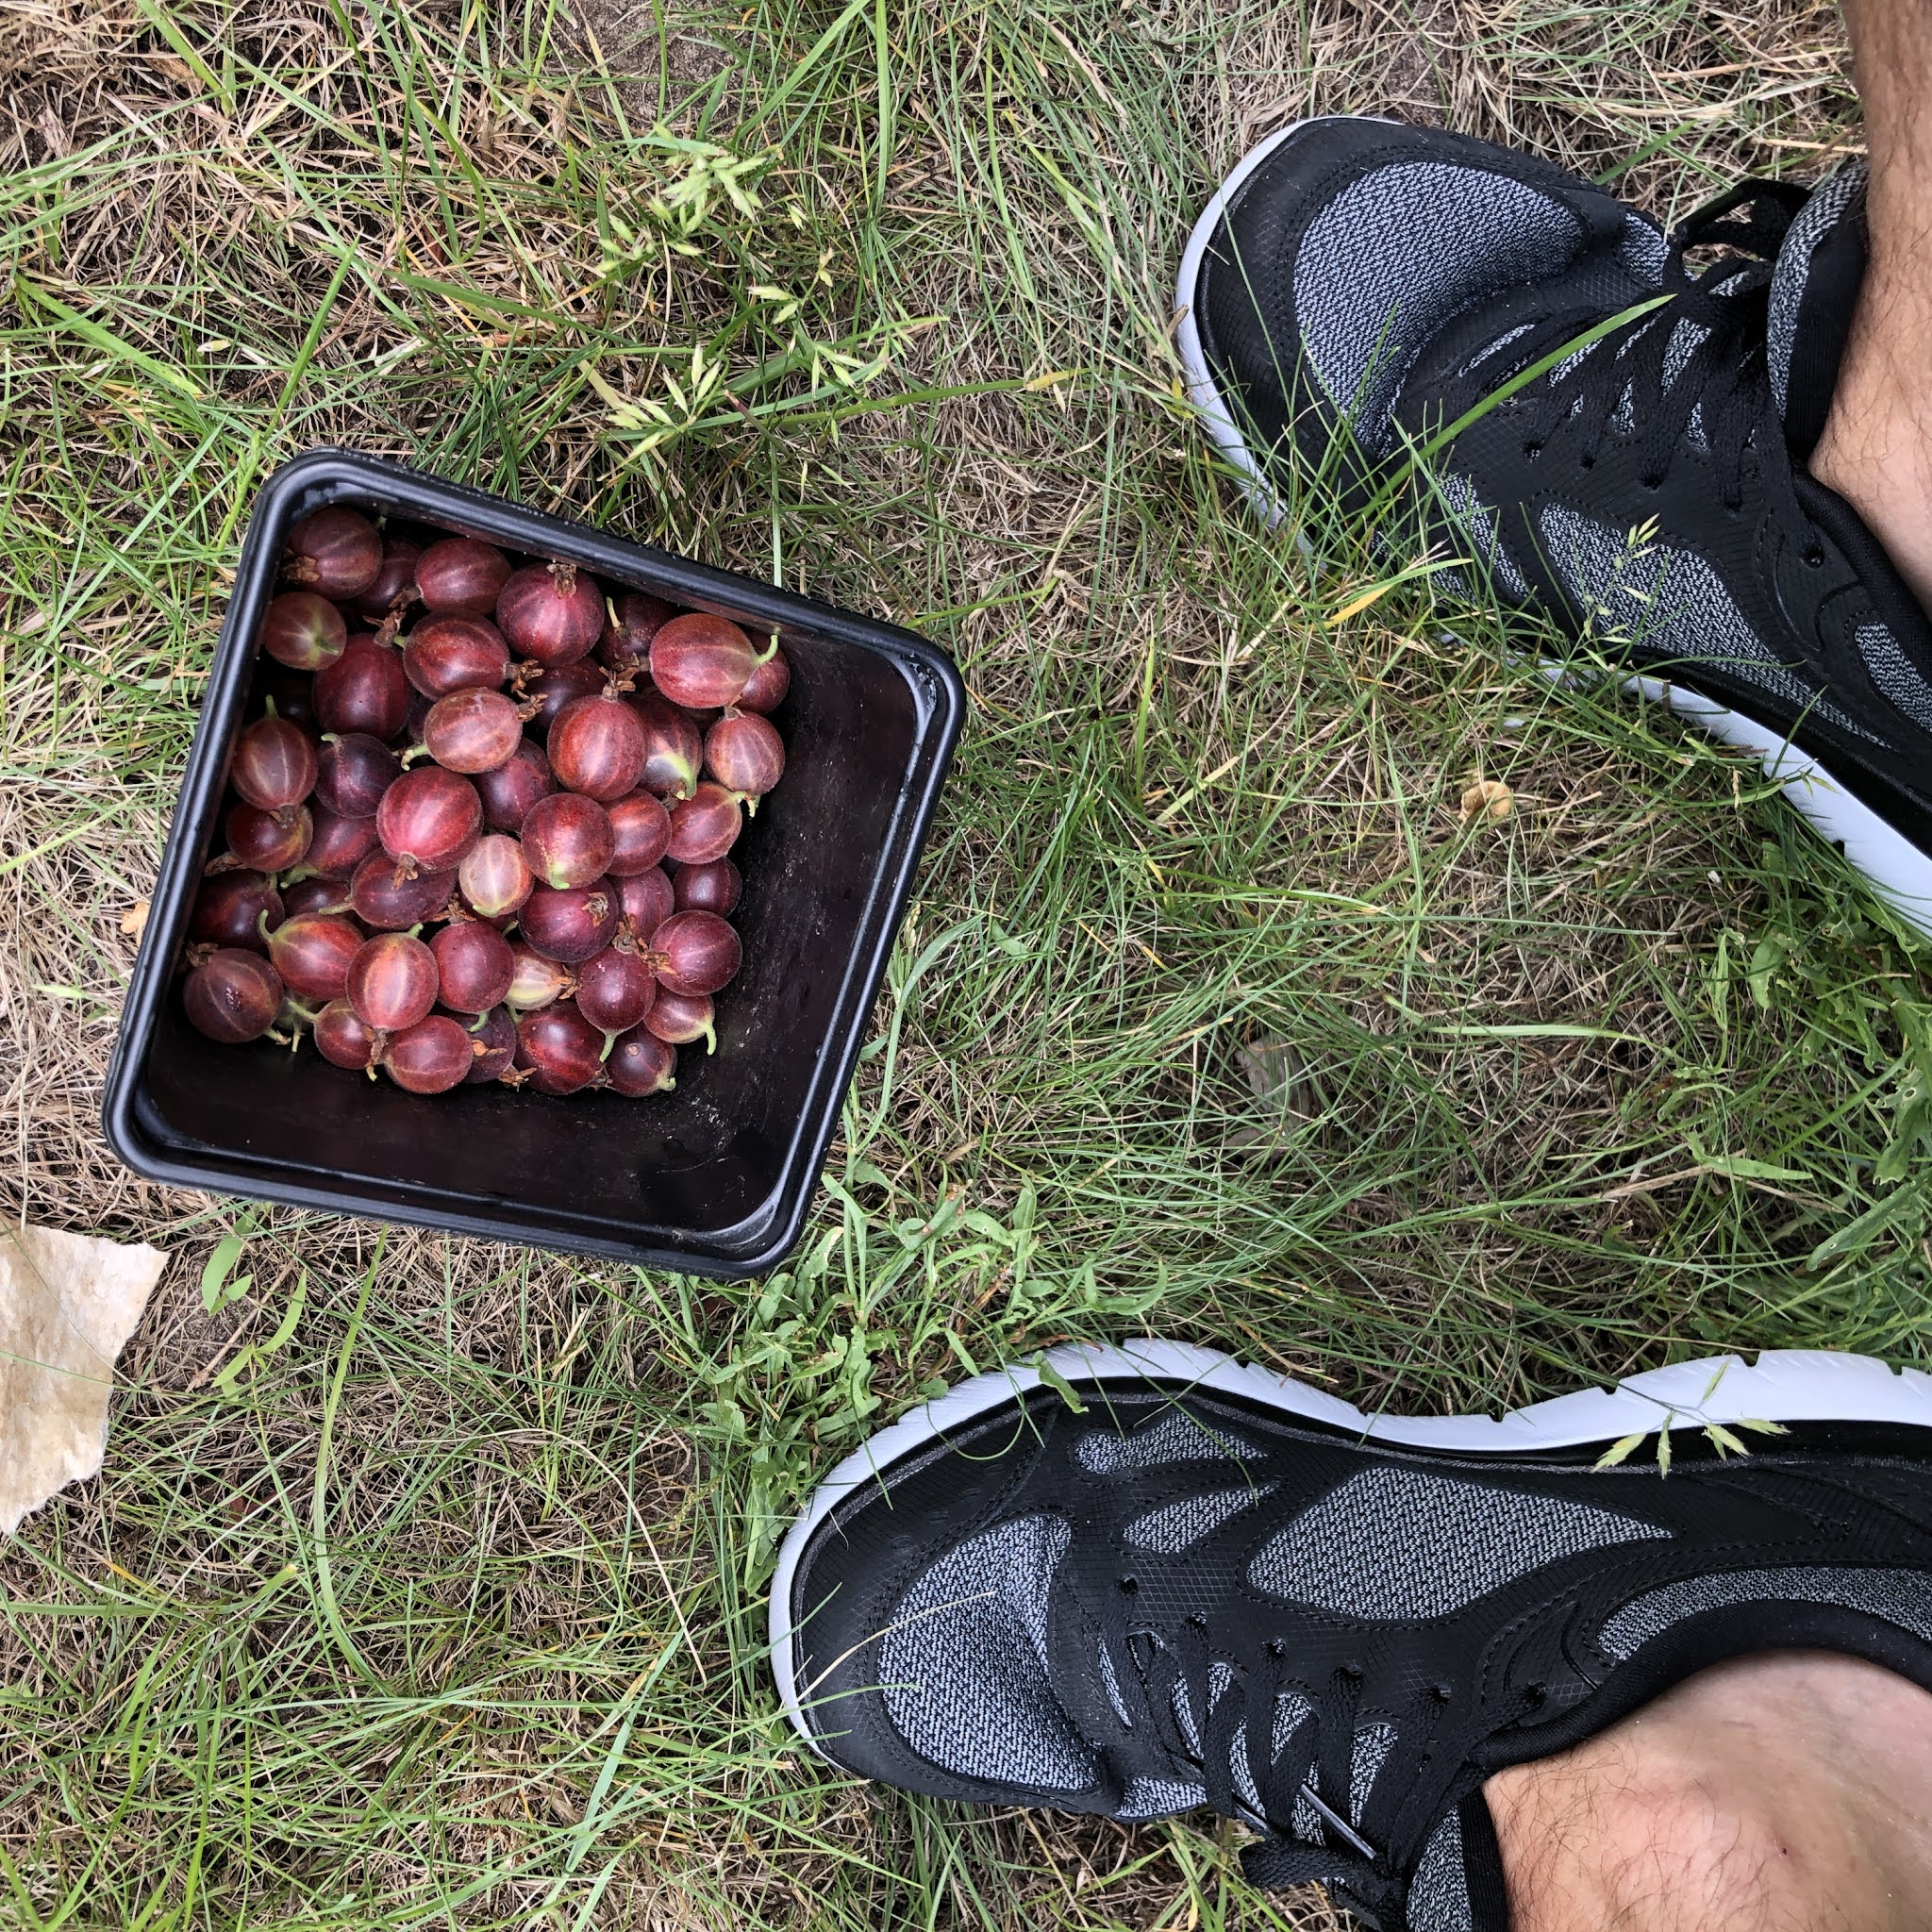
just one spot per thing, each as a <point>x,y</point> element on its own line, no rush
<point>534,1549</point>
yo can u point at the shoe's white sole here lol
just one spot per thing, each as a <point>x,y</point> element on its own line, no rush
<point>1895,868</point>
<point>1216,418</point>
<point>1899,871</point>
<point>1782,1386</point>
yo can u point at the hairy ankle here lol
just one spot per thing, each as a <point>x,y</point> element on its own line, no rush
<point>1876,448</point>
<point>1792,1789</point>
<point>1632,1836</point>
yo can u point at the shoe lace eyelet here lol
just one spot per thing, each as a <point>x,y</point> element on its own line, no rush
<point>1586,462</point>
<point>1815,559</point>
<point>1130,1584</point>
<point>1277,1648</point>
<point>1532,450</point>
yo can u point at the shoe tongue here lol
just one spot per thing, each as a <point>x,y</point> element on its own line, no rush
<point>1458,1884</point>
<point>1814,289</point>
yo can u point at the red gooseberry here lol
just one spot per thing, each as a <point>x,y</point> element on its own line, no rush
<point>674,748</point>
<point>391,981</point>
<point>551,613</point>
<point>568,841</point>
<point>429,1057</point>
<point>679,1019</point>
<point>641,834</point>
<point>274,763</point>
<point>558,1048</point>
<point>353,772</point>
<point>701,661</point>
<point>312,952</point>
<point>474,966</point>
<point>646,900</point>
<point>233,996</point>
<point>713,886</point>
<point>447,653</point>
<point>394,585</point>
<point>341,1039</point>
<point>764,689</point>
<point>473,730</point>
<point>270,841</point>
<point>303,631</point>
<point>492,1046</point>
<point>570,926</point>
<point>632,618</point>
<point>461,576</point>
<point>428,819</point>
<point>615,988</point>
<point>696,953</point>
<point>510,792</point>
<point>596,746</point>
<point>704,825</point>
<point>537,981</point>
<point>494,877</point>
<point>229,909</point>
<point>381,898</point>
<point>745,753</point>
<point>364,689</point>
<point>335,551</point>
<point>640,1063</point>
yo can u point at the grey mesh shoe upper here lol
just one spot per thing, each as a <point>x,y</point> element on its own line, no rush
<point>1352,247</point>
<point>1821,269</point>
<point>1630,424</point>
<point>1175,1598</point>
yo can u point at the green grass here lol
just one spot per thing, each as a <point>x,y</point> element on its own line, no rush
<point>448,1614</point>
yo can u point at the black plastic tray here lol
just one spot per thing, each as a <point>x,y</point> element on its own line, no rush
<point>714,1178</point>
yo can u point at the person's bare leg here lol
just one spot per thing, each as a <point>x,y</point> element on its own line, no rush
<point>1877,449</point>
<point>1789,1792</point>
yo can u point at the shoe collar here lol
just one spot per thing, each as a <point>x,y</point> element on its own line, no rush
<point>1814,293</point>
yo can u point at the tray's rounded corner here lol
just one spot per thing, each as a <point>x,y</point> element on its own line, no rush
<point>121,1128</point>
<point>778,1246</point>
<point>764,1238</point>
<point>319,460</point>
<point>946,673</point>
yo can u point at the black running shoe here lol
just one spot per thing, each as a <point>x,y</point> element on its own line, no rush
<point>1357,289</point>
<point>1210,1584</point>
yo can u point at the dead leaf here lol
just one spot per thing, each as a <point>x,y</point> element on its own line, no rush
<point>1490,797</point>
<point>176,69</point>
<point>134,921</point>
<point>68,1302</point>
<point>1279,1077</point>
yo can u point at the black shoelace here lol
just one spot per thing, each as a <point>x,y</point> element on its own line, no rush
<point>1701,357</point>
<point>1168,1680</point>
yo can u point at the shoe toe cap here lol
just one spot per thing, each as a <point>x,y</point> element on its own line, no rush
<point>1352,243</point>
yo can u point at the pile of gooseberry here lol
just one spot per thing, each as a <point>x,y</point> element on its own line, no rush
<point>480,829</point>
